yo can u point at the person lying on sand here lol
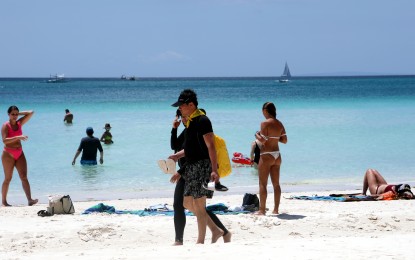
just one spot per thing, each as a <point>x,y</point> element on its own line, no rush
<point>377,185</point>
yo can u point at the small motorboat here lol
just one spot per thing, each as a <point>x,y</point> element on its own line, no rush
<point>56,78</point>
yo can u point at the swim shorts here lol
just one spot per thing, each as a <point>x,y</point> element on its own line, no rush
<point>197,175</point>
<point>88,162</point>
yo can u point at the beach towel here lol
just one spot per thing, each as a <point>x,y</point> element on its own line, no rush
<point>102,208</point>
<point>217,207</point>
<point>159,210</point>
<point>222,209</point>
<point>336,197</point>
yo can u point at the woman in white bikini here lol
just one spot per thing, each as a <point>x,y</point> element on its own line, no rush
<point>272,132</point>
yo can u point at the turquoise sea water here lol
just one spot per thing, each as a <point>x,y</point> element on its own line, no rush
<point>336,127</point>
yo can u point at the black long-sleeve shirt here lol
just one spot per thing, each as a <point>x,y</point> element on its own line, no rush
<point>176,144</point>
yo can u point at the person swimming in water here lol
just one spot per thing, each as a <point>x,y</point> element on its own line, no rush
<point>13,155</point>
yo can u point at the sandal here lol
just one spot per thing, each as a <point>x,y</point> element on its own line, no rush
<point>44,213</point>
<point>220,187</point>
<point>171,166</point>
<point>162,165</point>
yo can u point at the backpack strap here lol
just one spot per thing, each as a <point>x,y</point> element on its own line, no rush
<point>70,207</point>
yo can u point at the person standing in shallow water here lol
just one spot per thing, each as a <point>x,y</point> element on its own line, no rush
<point>106,137</point>
<point>89,146</point>
<point>13,155</point>
<point>68,117</point>
<point>272,132</point>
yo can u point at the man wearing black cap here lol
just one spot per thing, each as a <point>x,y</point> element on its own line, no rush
<point>201,163</point>
<point>89,146</point>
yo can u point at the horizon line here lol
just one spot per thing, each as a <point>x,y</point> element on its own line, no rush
<point>230,77</point>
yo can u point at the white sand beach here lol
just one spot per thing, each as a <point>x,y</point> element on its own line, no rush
<point>303,230</point>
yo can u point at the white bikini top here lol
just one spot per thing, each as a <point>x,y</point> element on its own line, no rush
<point>271,137</point>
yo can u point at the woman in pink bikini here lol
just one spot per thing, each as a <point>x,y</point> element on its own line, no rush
<point>13,156</point>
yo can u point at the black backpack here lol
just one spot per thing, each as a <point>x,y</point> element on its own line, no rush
<point>250,202</point>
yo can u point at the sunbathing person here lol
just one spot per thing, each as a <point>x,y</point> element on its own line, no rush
<point>377,185</point>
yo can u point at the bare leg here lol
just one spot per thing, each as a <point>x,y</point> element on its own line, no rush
<point>225,234</point>
<point>189,203</point>
<point>8,166</point>
<point>216,231</point>
<point>372,181</point>
<point>21,166</point>
<point>201,215</point>
<point>263,173</point>
<point>275,179</point>
<point>227,237</point>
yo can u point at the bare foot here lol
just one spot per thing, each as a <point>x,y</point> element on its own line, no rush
<point>275,212</point>
<point>216,235</point>
<point>5,204</point>
<point>177,243</point>
<point>259,213</point>
<point>32,202</point>
<point>227,237</point>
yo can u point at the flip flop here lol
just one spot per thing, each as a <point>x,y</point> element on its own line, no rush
<point>209,186</point>
<point>220,187</point>
<point>163,166</point>
<point>171,166</point>
<point>44,213</point>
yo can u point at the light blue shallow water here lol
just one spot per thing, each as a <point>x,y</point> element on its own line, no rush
<point>337,128</point>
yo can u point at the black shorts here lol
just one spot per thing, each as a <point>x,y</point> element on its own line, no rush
<point>196,176</point>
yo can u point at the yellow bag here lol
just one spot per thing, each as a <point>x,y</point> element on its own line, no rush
<point>224,163</point>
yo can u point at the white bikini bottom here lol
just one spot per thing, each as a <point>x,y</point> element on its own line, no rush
<point>275,154</point>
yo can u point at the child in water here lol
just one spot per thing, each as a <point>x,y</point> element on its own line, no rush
<point>106,137</point>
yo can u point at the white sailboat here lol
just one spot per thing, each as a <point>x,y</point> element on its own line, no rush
<point>286,75</point>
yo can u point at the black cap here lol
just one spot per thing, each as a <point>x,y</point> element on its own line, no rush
<point>181,100</point>
<point>186,96</point>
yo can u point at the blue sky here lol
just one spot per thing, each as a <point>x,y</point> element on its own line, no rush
<point>195,38</point>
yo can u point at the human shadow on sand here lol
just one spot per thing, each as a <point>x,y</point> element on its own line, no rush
<point>289,216</point>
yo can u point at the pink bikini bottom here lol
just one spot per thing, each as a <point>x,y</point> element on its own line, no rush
<point>15,152</point>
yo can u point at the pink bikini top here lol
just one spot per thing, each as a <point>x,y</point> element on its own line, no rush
<point>13,133</point>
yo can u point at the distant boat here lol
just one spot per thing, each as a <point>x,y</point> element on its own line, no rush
<point>123,77</point>
<point>56,78</point>
<point>286,75</point>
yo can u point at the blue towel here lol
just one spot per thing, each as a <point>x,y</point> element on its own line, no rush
<point>344,198</point>
<point>219,209</point>
<point>318,198</point>
<point>102,208</point>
